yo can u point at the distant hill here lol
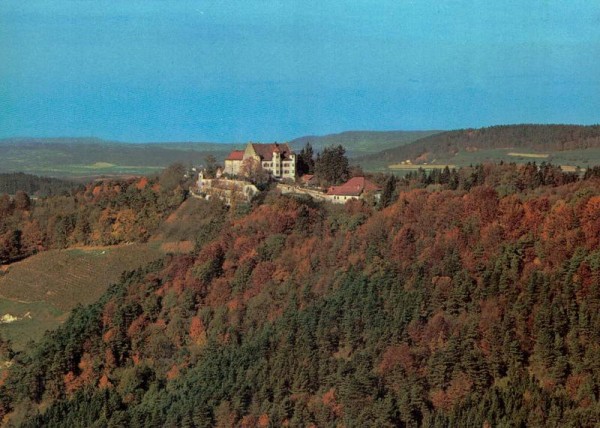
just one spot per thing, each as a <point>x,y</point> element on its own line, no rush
<point>359,143</point>
<point>492,143</point>
<point>19,141</point>
<point>93,157</point>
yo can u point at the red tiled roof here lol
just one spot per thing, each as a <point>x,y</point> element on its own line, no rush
<point>236,155</point>
<point>353,187</point>
<point>265,151</point>
<point>306,178</point>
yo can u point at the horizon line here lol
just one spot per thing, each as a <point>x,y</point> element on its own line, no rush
<point>308,135</point>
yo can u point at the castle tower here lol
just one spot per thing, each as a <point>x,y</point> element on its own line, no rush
<point>277,162</point>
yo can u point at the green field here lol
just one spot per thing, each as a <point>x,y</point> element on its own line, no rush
<point>95,170</point>
<point>41,290</point>
<point>570,159</point>
<point>84,158</point>
<point>33,319</point>
<point>410,167</point>
<point>582,158</point>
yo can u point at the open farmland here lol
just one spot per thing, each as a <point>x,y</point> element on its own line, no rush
<point>529,155</point>
<point>41,290</point>
<point>83,158</point>
<point>568,160</point>
<point>410,167</point>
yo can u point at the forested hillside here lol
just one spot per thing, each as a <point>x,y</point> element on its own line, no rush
<point>444,146</point>
<point>468,300</point>
<point>361,142</point>
<point>101,213</point>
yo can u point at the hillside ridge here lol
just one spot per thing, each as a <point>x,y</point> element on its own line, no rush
<point>361,142</point>
<point>446,145</point>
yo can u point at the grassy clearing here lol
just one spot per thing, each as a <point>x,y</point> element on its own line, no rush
<point>529,155</point>
<point>102,165</point>
<point>33,320</point>
<point>45,287</point>
<point>65,278</point>
<point>567,159</point>
<point>97,169</point>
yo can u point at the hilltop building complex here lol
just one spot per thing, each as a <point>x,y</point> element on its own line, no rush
<point>277,159</point>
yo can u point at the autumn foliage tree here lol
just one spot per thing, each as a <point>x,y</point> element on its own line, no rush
<point>102,213</point>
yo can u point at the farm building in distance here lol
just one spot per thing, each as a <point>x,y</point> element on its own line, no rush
<point>277,159</point>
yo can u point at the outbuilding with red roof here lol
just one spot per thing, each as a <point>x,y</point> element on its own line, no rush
<point>355,188</point>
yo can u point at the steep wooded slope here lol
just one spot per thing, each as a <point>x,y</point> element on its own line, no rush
<point>448,308</point>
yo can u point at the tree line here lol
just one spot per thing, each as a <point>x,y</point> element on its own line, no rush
<point>104,212</point>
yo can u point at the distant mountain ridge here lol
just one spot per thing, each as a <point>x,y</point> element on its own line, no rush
<point>444,146</point>
<point>373,150</point>
<point>54,140</point>
<point>359,143</point>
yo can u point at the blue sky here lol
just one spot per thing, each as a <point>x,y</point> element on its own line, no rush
<point>272,70</point>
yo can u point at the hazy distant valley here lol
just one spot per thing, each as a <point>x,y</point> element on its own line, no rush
<point>387,151</point>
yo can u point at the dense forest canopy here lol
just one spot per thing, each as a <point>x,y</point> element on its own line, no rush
<point>470,298</point>
<point>533,137</point>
